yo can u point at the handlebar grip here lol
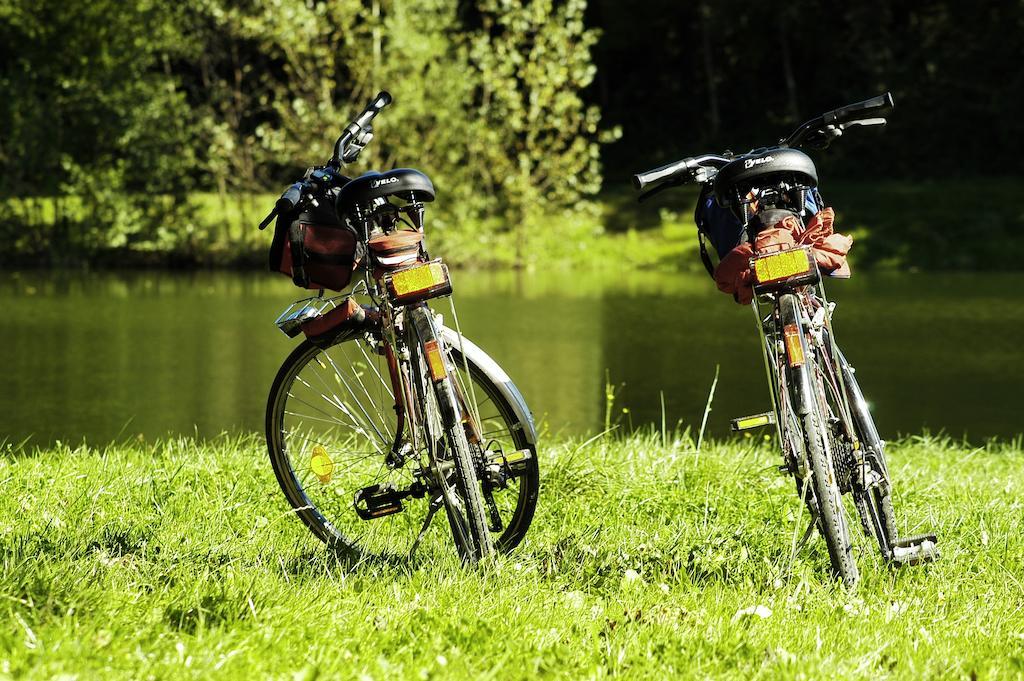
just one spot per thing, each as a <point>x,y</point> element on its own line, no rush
<point>869,108</point>
<point>665,172</point>
<point>375,106</point>
<point>289,199</point>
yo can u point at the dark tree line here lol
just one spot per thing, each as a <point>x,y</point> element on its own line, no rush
<point>685,77</point>
<point>115,115</point>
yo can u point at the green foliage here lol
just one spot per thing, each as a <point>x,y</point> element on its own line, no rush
<point>538,145</point>
<point>180,559</point>
<point>93,113</point>
<point>238,96</point>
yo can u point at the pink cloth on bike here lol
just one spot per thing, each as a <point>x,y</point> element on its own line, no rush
<point>733,274</point>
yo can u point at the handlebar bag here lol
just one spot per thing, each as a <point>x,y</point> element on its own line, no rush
<point>315,249</point>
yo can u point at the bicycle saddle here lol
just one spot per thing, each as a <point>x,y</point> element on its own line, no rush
<point>405,183</point>
<point>753,168</point>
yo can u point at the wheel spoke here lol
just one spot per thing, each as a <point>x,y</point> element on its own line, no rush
<point>344,404</point>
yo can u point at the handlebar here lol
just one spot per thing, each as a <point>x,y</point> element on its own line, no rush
<point>289,199</point>
<point>353,139</point>
<point>869,108</point>
<point>867,111</point>
<point>357,133</point>
<point>677,170</point>
<point>826,126</point>
<point>382,99</point>
<point>645,179</point>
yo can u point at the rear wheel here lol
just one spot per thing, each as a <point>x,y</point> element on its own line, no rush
<point>872,493</point>
<point>825,500</point>
<point>446,413</point>
<point>510,496</point>
<point>330,433</point>
<point>828,502</point>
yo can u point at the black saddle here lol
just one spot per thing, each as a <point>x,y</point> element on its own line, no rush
<point>757,168</point>
<point>405,183</point>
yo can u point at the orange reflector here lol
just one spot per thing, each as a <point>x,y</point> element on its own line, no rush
<point>434,360</point>
<point>430,277</point>
<point>779,266</point>
<point>794,349</point>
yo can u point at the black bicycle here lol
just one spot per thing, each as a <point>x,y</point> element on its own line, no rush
<point>383,415</point>
<point>828,437</point>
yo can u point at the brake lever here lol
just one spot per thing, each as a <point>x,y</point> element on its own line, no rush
<point>866,122</point>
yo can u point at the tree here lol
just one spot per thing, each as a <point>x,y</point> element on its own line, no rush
<point>540,140</point>
<point>94,113</point>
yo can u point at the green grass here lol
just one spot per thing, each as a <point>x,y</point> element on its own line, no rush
<point>179,559</point>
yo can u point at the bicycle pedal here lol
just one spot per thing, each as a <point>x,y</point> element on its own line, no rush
<point>755,421</point>
<point>514,464</point>
<point>377,501</point>
<point>915,550</point>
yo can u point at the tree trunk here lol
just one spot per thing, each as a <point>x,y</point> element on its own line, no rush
<point>709,68</point>
<point>792,109</point>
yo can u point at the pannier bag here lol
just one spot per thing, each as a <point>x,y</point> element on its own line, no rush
<point>315,249</point>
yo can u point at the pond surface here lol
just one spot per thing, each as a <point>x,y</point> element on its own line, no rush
<point>105,356</point>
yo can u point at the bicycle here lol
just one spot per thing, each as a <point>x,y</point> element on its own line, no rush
<point>382,416</point>
<point>826,432</point>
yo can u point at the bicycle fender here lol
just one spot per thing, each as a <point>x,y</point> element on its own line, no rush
<point>497,375</point>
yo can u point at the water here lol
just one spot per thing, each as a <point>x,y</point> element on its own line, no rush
<point>105,356</point>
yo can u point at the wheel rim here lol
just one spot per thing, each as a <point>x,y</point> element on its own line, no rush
<point>334,426</point>
<point>339,400</point>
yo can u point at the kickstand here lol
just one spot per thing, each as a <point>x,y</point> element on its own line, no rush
<point>807,535</point>
<point>435,506</point>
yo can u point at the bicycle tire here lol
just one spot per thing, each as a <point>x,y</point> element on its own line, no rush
<point>831,514</point>
<point>506,429</point>
<point>478,544</point>
<point>520,509</point>
<point>824,485</point>
<point>874,505</point>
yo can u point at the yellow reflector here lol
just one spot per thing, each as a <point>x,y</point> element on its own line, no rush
<point>417,279</point>
<point>753,422</point>
<point>321,464</point>
<point>782,265</point>
<point>434,360</point>
<point>794,349</point>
